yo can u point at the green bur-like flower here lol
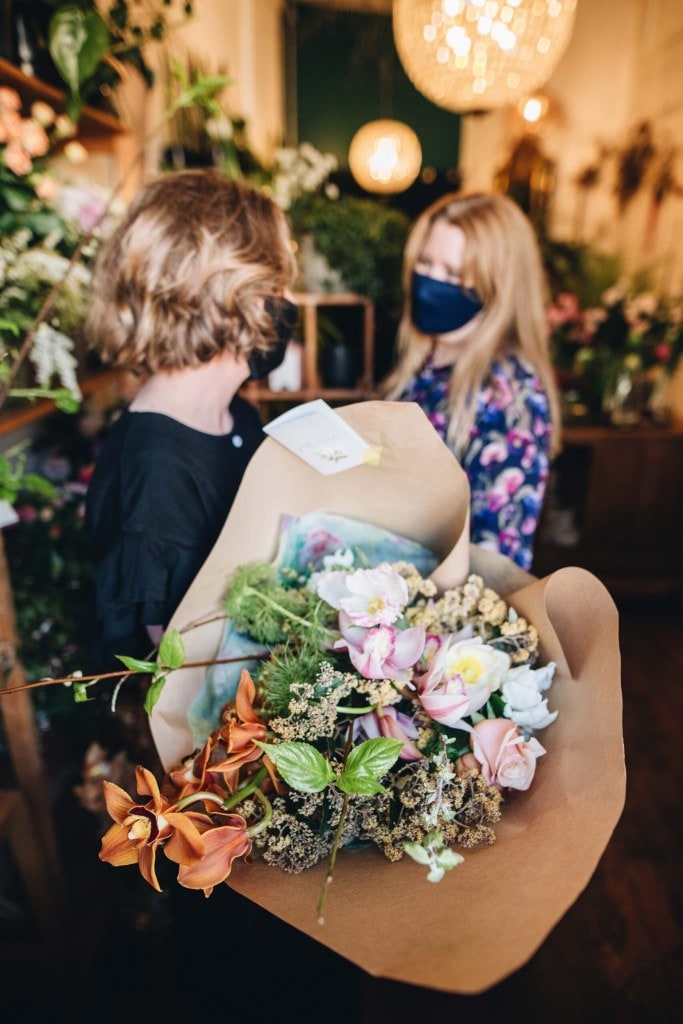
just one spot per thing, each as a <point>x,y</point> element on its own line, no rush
<point>260,605</point>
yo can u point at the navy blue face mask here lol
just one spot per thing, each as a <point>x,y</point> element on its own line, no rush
<point>284,314</point>
<point>439,307</point>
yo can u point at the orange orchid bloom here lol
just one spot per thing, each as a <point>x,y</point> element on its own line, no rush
<point>241,729</point>
<point>195,773</point>
<point>141,829</point>
<point>222,845</point>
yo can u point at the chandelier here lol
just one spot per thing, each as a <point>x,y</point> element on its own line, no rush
<point>478,54</point>
<point>385,156</point>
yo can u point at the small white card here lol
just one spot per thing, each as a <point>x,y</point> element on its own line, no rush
<point>319,436</point>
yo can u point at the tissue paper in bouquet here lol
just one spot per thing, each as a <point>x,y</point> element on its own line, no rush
<point>487,917</point>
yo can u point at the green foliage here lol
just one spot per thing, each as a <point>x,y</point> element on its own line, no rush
<point>289,663</point>
<point>260,605</point>
<point>305,769</point>
<point>366,763</point>
<point>78,41</point>
<point>301,766</point>
<point>361,238</point>
<point>579,269</point>
<point>88,42</point>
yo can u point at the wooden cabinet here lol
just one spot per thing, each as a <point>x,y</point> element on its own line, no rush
<point>359,335</point>
<point>615,507</point>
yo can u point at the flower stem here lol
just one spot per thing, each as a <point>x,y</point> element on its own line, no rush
<point>333,859</point>
<point>192,798</point>
<point>263,824</point>
<point>246,790</point>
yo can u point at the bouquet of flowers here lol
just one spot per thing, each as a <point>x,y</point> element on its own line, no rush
<point>636,332</point>
<point>381,714</point>
<point>374,688</point>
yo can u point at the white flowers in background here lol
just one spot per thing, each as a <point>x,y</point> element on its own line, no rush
<point>51,355</point>
<point>300,170</point>
<point>522,691</point>
<point>85,206</point>
<point>27,273</point>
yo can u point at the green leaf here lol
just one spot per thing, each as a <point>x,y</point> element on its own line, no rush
<point>77,43</point>
<point>301,766</point>
<point>80,691</point>
<point>172,649</point>
<point>154,692</point>
<point>373,756</point>
<point>66,401</point>
<point>417,852</point>
<point>366,763</point>
<point>135,665</point>
<point>359,783</point>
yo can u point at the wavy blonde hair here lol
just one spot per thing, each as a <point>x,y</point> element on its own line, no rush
<point>184,275</point>
<point>503,264</point>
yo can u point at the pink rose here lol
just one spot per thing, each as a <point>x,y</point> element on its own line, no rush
<point>506,758</point>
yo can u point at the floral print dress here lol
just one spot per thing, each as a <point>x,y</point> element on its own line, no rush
<point>508,455</point>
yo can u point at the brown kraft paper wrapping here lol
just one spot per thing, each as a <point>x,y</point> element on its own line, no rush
<point>488,916</point>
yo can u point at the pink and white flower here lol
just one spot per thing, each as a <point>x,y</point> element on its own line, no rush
<point>370,597</point>
<point>462,676</point>
<point>381,652</point>
<point>391,724</point>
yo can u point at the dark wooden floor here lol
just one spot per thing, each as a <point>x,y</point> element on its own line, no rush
<point>615,958</point>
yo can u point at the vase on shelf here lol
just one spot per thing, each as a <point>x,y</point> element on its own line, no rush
<point>315,273</point>
<point>338,368</point>
<point>626,395</point>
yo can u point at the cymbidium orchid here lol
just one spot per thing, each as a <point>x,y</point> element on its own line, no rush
<point>382,652</point>
<point>460,679</point>
<point>387,721</point>
<point>141,829</point>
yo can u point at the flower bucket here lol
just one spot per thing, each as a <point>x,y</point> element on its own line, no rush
<point>484,920</point>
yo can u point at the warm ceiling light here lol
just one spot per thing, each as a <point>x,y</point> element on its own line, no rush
<point>478,54</point>
<point>385,156</point>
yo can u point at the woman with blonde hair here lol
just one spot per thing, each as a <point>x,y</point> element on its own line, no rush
<point>190,294</point>
<point>473,352</point>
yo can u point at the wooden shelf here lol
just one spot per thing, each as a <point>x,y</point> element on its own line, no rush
<point>93,123</point>
<point>106,384</point>
<point>613,506</point>
<point>312,386</point>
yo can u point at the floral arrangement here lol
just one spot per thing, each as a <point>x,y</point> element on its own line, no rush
<point>41,225</point>
<point>379,713</point>
<point>636,332</point>
<point>299,172</point>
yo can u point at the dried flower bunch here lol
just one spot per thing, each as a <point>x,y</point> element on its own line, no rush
<point>379,713</point>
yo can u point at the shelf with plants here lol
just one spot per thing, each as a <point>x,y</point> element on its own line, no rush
<point>93,125</point>
<point>315,379</point>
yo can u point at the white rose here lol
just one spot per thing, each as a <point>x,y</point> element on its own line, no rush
<point>521,690</point>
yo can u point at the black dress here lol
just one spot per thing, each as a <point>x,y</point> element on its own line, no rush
<point>158,498</point>
<point>157,501</point>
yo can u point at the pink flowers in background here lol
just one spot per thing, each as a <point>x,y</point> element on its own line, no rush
<point>639,331</point>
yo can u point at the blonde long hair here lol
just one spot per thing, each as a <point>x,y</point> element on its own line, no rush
<point>503,265</point>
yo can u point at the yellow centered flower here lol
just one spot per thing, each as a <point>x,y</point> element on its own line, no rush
<point>469,669</point>
<point>377,604</point>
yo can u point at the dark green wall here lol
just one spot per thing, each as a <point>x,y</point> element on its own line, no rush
<point>348,73</point>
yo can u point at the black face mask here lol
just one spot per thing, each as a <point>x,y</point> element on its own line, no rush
<point>439,307</point>
<point>284,314</point>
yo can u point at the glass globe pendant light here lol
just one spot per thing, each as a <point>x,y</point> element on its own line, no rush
<point>467,55</point>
